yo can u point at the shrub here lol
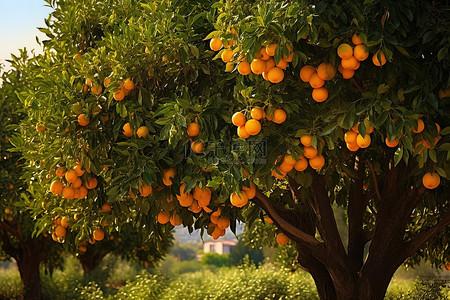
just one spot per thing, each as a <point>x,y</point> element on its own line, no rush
<point>218,260</point>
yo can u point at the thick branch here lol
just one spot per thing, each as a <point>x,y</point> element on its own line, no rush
<point>374,178</point>
<point>6,243</point>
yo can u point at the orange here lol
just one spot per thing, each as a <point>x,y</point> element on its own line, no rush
<point>269,65</point>
<point>218,232</point>
<point>107,82</point>
<point>71,176</point>
<point>315,81</point>
<point>96,89</point>
<point>431,180</point>
<point>438,128</point>
<point>197,147</point>
<point>289,159</point>
<point>345,51</point>
<point>282,239</point>
<point>242,132</point>
<point>263,54</point>
<point>425,144</point>
<point>214,218</point>
<point>194,207</point>
<point>279,116</point>
<point>350,137</point>
<point>309,152</point>
<point>320,94</point>
<point>65,222</point>
<point>78,169</point>
<point>268,220</point>
<point>258,66</point>
<point>289,59</point>
<point>277,173</point>
<point>163,217</point>
<point>77,183</point>
<point>128,84</point>
<point>106,207</point>
<point>239,200</point>
<point>252,127</point>
<point>193,129</point>
<point>443,93</point>
<point>60,171</point>
<point>175,219</point>
<point>264,75</point>
<point>202,195</point>
<point>361,52</point>
<point>186,201</point>
<point>301,164</point>
<point>223,222</point>
<point>60,231</point>
<point>127,131</point>
<point>391,144</point>
<point>420,126</point>
<point>88,82</point>
<point>306,140</point>
<point>7,211</point>
<point>244,68</point>
<point>306,72</point>
<point>56,187</point>
<point>83,120</point>
<point>270,49</point>
<point>350,63</point>
<point>355,127</point>
<point>275,75</point>
<point>282,64</point>
<point>356,40</point>
<point>82,192</point>
<point>98,234</point>
<point>346,74</point>
<point>119,95</point>
<point>142,132</point>
<point>215,44</point>
<point>227,55</point>
<point>40,127</point>
<point>145,189</point>
<point>91,183</point>
<point>285,168</point>
<point>326,71</point>
<point>257,113</point>
<point>363,142</point>
<point>317,162</point>
<point>377,62</point>
<point>251,191</point>
<point>238,119</point>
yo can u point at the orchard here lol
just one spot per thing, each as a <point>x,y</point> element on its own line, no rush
<point>156,114</point>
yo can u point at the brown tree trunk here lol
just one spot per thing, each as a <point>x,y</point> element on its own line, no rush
<point>29,273</point>
<point>90,260</point>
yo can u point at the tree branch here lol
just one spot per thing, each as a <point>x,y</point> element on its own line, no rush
<point>6,243</point>
<point>356,84</point>
<point>374,178</point>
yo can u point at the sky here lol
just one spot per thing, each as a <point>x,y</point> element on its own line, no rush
<point>19,20</point>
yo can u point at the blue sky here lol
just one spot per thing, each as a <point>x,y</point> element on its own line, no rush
<point>19,20</point>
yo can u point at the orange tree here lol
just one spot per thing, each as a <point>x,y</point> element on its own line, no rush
<point>158,109</point>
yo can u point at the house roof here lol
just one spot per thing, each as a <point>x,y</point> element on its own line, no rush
<point>224,242</point>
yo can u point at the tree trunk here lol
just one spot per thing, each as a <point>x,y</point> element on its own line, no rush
<point>90,261</point>
<point>29,273</point>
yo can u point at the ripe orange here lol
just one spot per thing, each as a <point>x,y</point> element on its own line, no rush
<point>320,94</point>
<point>282,64</point>
<point>106,207</point>
<point>431,180</point>
<point>227,55</point>
<point>275,75</point>
<point>7,211</point>
<point>88,82</point>
<point>142,132</point>
<point>270,49</point>
<point>252,127</point>
<point>443,93</point>
<point>346,74</point>
<point>282,239</point>
<point>145,189</point>
<point>361,52</point>
<point>301,164</point>
<point>91,183</point>
<point>78,169</point>
<point>127,131</point>
<point>98,234</point>
<point>77,183</point>
<point>82,192</point>
<point>420,126</point>
<point>315,81</point>
<point>363,142</point>
<point>306,72</point>
<point>268,220</point>
<point>356,40</point>
<point>239,200</point>
<point>197,147</point>
<point>65,222</point>
<point>285,168</point>
<point>306,140</point>
<point>263,54</point>
<point>215,44</point>
<point>186,201</point>
<point>392,143</point>
<point>326,71</point>
<point>309,152</point>
<point>279,116</point>
<point>269,65</point>
<point>238,119</point>
<point>257,113</point>
<point>96,89</point>
<point>193,129</point>
<point>163,217</point>
<point>289,159</point>
<point>40,127</point>
<point>244,68</point>
<point>350,63</point>
<point>83,120</point>
<point>56,187</point>
<point>289,59</point>
<point>251,191</point>
<point>258,66</point>
<point>71,176</point>
<point>60,231</point>
<point>350,137</point>
<point>107,82</point>
<point>376,61</point>
<point>223,222</point>
<point>119,95</point>
<point>60,171</point>
<point>345,51</point>
<point>317,162</point>
<point>175,219</point>
<point>242,132</point>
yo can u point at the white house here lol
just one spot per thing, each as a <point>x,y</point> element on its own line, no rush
<point>219,246</point>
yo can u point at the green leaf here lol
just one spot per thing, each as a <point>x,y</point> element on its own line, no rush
<point>398,155</point>
<point>445,131</point>
<point>382,88</point>
<point>329,129</point>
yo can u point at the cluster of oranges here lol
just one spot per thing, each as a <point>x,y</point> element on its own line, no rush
<point>281,238</point>
<point>355,140</point>
<point>425,143</point>
<point>125,87</point>
<point>193,131</point>
<point>246,128</point>
<point>60,228</point>
<point>263,64</point>
<point>317,78</point>
<point>74,188</point>
<point>142,131</point>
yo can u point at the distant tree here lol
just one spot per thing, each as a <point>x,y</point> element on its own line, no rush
<point>238,253</point>
<point>215,259</point>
